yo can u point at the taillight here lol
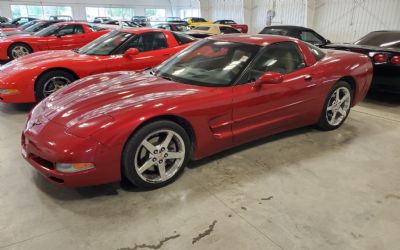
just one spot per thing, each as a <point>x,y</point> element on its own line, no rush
<point>395,60</point>
<point>380,58</point>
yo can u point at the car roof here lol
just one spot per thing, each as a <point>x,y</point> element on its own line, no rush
<point>259,39</point>
<point>289,27</point>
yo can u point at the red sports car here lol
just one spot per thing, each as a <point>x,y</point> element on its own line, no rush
<point>65,35</point>
<point>218,93</point>
<point>33,77</point>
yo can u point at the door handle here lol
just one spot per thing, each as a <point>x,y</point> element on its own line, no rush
<point>308,77</point>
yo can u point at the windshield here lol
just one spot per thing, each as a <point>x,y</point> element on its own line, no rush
<point>387,39</point>
<point>275,31</point>
<point>48,31</point>
<point>26,25</point>
<point>105,44</point>
<point>209,63</point>
<point>38,26</point>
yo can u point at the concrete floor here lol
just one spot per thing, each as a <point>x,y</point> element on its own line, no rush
<point>304,189</point>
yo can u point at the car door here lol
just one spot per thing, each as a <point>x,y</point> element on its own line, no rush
<point>270,108</point>
<point>69,36</point>
<point>153,49</point>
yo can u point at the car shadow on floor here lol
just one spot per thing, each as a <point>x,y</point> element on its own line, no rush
<point>348,133</point>
<point>15,108</point>
<point>383,98</point>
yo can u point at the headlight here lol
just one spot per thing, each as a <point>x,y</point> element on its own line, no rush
<point>73,167</point>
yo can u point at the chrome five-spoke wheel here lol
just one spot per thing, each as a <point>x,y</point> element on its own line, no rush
<point>338,106</point>
<point>156,154</point>
<point>53,84</point>
<point>159,156</point>
<point>19,51</point>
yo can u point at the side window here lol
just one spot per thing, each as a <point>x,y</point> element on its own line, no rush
<point>283,58</point>
<point>78,29</point>
<point>228,30</point>
<point>66,30</point>
<point>151,41</point>
<point>317,52</point>
<point>310,37</point>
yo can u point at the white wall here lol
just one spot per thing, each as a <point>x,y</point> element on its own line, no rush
<point>78,6</point>
<point>286,12</point>
<point>347,21</point>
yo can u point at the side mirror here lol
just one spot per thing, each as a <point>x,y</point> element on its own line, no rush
<point>328,41</point>
<point>131,52</point>
<point>269,78</point>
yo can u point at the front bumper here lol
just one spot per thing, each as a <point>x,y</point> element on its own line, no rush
<point>25,92</point>
<point>45,144</point>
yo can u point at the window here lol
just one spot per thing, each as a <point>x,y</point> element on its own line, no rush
<point>113,13</point>
<point>147,42</point>
<point>198,19</point>
<point>283,58</point>
<point>70,30</point>
<point>275,31</point>
<point>182,39</point>
<point>37,11</point>
<point>155,14</point>
<point>317,52</point>
<point>228,30</point>
<point>310,37</point>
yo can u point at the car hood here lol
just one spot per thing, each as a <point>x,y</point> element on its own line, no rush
<point>42,59</point>
<point>111,94</point>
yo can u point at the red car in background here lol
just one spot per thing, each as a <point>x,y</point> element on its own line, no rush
<point>240,27</point>
<point>33,77</point>
<point>60,36</point>
<point>216,94</point>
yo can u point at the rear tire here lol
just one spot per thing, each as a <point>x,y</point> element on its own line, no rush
<point>52,81</point>
<point>156,154</point>
<point>18,50</point>
<point>336,107</point>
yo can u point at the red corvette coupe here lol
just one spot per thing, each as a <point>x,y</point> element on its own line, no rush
<point>218,93</point>
<point>65,35</point>
<point>33,77</point>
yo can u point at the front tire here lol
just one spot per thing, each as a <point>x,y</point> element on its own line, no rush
<point>156,154</point>
<point>337,106</point>
<point>18,50</point>
<point>52,81</point>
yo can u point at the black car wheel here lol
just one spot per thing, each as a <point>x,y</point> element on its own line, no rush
<point>17,50</point>
<point>156,154</point>
<point>52,81</point>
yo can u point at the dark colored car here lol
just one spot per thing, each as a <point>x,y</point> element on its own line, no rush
<point>302,33</point>
<point>176,20</point>
<point>4,19</point>
<point>179,27</point>
<point>383,47</point>
<point>32,27</point>
<point>141,20</point>
<point>17,22</point>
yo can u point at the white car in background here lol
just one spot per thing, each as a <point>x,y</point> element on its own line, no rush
<point>206,30</point>
<point>115,24</point>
